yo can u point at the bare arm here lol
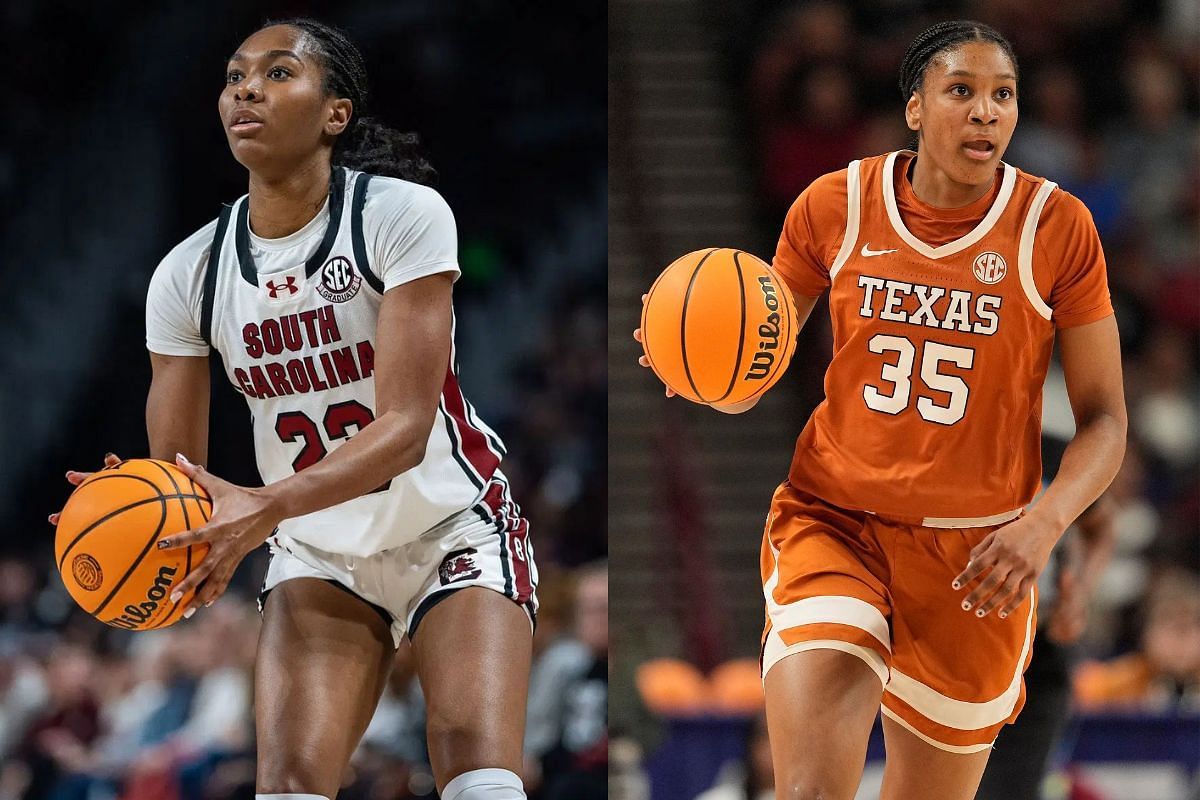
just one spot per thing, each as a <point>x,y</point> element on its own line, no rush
<point>1091,358</point>
<point>1012,556</point>
<point>177,407</point>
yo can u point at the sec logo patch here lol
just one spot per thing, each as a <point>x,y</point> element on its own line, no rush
<point>339,280</point>
<point>989,267</point>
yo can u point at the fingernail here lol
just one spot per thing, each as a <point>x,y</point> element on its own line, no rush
<point>209,603</point>
<point>175,596</point>
<point>181,457</point>
<point>163,544</point>
<point>187,614</point>
<point>956,585</point>
<point>1003,615</point>
<point>979,612</point>
<point>966,606</point>
<point>109,455</point>
<point>50,519</point>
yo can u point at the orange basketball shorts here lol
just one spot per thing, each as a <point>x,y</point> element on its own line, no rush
<point>881,590</point>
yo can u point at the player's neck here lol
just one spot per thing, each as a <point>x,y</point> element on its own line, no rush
<point>934,187</point>
<point>281,206</point>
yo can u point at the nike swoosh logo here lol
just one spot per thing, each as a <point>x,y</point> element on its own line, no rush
<point>867,252</point>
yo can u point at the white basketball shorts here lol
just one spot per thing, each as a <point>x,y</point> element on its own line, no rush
<point>486,545</point>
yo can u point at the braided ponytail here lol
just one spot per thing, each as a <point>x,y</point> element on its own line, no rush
<point>366,144</point>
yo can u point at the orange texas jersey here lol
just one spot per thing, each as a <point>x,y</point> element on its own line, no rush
<point>943,323</point>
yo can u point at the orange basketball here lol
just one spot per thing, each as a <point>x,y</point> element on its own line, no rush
<point>718,326</point>
<point>105,542</point>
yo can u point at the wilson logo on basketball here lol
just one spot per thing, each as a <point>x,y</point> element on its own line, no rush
<point>87,572</point>
<point>989,267</point>
<point>768,334</point>
<point>339,281</point>
<point>136,616</point>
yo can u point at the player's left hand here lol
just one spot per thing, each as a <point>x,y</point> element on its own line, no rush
<point>1008,561</point>
<point>242,520</point>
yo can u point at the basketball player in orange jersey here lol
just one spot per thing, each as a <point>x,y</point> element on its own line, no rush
<point>899,561</point>
<point>327,291</point>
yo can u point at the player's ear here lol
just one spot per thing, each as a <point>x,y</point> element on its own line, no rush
<point>912,112</point>
<point>340,111</point>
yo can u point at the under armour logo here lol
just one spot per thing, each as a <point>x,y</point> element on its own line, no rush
<point>289,284</point>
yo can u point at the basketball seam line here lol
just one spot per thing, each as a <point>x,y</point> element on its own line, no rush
<point>146,549</point>
<point>122,510</point>
<point>687,371</point>
<point>737,363</point>
<point>187,521</point>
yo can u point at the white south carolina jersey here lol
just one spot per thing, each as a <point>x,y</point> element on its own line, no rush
<point>294,320</point>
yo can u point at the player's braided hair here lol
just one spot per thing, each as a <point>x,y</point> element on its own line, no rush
<point>366,144</point>
<point>939,38</point>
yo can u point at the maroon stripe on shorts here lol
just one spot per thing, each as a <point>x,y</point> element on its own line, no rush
<point>474,444</point>
<point>519,547</point>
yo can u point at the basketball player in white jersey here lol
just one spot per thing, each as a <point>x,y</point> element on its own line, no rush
<point>327,291</point>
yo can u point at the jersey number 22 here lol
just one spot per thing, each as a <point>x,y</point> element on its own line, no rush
<point>339,419</point>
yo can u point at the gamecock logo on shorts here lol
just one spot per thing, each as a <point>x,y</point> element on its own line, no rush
<point>990,267</point>
<point>87,572</point>
<point>339,281</point>
<point>459,566</point>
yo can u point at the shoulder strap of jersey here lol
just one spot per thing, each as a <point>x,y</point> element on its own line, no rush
<point>210,275</point>
<point>1025,248</point>
<point>356,233</point>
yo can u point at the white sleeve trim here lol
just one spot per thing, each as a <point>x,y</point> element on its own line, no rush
<point>1025,251</point>
<point>166,349</point>
<point>411,274</point>
<point>853,212</point>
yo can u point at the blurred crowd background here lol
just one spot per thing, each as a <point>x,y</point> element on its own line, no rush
<point>116,154</point>
<point>722,116</point>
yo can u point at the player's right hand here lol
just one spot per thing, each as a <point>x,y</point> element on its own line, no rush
<point>75,478</point>
<point>644,360</point>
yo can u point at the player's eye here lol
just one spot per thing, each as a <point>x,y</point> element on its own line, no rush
<point>233,76</point>
<point>279,73</point>
<point>954,90</point>
<point>1005,94</point>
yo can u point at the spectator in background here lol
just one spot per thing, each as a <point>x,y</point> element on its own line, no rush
<point>803,96</point>
<point>559,658</point>
<point>1165,673</point>
<point>800,36</point>
<point>1163,411</point>
<point>1050,143</point>
<point>816,128</point>
<point>23,693</point>
<point>576,767</point>
<point>1153,150</point>
<point>58,740</point>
